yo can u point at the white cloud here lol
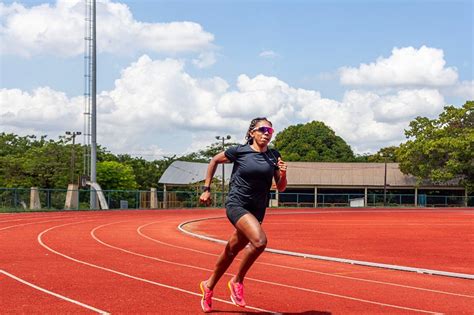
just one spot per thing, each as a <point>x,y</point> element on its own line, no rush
<point>368,121</point>
<point>205,59</point>
<point>59,30</point>
<point>42,111</point>
<point>156,107</point>
<point>406,66</point>
<point>260,96</point>
<point>268,54</point>
<point>406,104</point>
<point>463,89</point>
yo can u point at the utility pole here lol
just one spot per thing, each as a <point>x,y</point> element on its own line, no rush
<point>223,169</point>
<point>73,135</point>
<point>385,183</point>
<point>384,156</point>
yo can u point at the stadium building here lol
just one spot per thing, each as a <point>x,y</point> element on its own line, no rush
<point>321,184</point>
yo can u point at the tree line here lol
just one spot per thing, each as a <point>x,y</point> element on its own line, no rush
<point>439,150</point>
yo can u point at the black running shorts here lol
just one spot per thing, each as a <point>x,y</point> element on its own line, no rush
<point>234,213</point>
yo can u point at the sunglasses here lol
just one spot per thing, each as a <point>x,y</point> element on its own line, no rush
<point>264,129</point>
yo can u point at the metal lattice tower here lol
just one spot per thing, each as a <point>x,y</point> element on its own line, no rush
<point>87,86</point>
<point>90,91</point>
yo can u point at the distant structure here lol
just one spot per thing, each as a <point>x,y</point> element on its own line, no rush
<point>337,184</point>
<point>90,92</point>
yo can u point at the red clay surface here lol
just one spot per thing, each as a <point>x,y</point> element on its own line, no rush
<point>138,262</point>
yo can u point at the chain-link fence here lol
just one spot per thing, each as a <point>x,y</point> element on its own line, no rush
<point>20,199</point>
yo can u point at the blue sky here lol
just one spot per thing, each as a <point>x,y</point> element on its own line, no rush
<point>365,68</point>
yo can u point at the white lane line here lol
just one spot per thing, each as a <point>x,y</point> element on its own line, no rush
<point>257,280</point>
<point>128,275</point>
<point>6,221</point>
<point>139,230</point>
<point>24,224</point>
<point>35,217</point>
<point>53,293</point>
<point>36,222</point>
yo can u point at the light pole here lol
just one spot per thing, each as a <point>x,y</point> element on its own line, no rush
<point>223,169</point>
<point>385,184</point>
<point>73,135</point>
<point>384,179</point>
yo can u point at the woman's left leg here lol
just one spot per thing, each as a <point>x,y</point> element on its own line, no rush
<point>235,244</point>
<point>249,226</point>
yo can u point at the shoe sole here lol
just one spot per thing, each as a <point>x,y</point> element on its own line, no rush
<point>232,296</point>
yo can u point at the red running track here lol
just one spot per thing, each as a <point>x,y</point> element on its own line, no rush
<point>138,262</point>
<point>431,239</point>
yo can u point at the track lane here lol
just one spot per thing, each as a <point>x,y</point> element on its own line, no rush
<point>271,283</point>
<point>77,241</point>
<point>340,274</point>
<point>51,303</point>
<point>25,259</point>
<point>466,299</point>
<point>88,285</point>
<point>375,236</point>
<point>169,234</point>
<point>166,283</point>
<point>300,287</point>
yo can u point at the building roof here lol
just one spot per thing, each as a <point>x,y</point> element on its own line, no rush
<point>346,174</point>
<point>299,174</point>
<point>185,173</point>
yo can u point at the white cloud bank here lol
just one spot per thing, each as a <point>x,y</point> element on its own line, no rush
<point>59,30</point>
<point>463,89</point>
<point>42,111</point>
<point>156,103</point>
<point>406,66</point>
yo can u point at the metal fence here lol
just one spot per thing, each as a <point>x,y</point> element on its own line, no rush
<point>373,200</point>
<point>18,199</point>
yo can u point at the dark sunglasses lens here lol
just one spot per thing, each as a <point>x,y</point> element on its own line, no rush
<point>264,129</point>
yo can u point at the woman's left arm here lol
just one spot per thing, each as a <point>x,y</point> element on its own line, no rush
<point>280,175</point>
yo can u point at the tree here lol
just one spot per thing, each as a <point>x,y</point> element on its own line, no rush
<point>388,154</point>
<point>312,142</point>
<point>26,161</point>
<point>11,144</point>
<point>147,173</point>
<point>441,149</point>
<point>206,154</point>
<point>48,166</point>
<point>115,175</point>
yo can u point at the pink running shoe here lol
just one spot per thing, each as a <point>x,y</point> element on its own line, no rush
<point>206,301</point>
<point>236,293</point>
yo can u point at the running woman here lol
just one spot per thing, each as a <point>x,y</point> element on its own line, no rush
<point>255,166</point>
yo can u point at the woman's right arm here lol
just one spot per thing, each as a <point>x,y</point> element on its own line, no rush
<point>211,170</point>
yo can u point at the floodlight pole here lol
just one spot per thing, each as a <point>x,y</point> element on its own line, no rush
<point>382,154</point>
<point>93,197</point>
<point>73,135</point>
<point>385,183</point>
<point>223,168</point>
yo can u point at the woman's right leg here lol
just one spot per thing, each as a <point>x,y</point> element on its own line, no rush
<point>235,244</point>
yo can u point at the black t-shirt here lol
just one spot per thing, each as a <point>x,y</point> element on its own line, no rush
<point>252,175</point>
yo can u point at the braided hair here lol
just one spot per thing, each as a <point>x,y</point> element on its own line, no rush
<point>253,123</point>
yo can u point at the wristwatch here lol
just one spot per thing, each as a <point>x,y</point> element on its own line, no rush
<point>206,188</point>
